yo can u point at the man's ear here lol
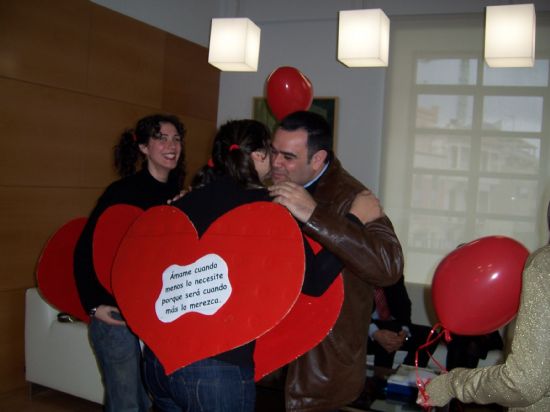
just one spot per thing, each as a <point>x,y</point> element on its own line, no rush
<point>318,160</point>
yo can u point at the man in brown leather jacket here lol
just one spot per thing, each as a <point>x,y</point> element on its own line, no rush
<point>311,183</point>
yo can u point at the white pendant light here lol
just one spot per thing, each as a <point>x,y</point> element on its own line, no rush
<point>234,45</point>
<point>363,38</point>
<point>510,35</point>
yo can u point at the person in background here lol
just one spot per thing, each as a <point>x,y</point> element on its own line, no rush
<point>156,146</point>
<point>311,183</point>
<point>466,351</point>
<point>391,328</point>
<point>522,382</point>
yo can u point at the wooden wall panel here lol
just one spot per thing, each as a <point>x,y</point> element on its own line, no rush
<point>105,121</point>
<point>126,59</point>
<point>70,134</point>
<point>28,217</point>
<point>191,85</point>
<point>45,42</point>
<point>73,76</point>
<point>12,344</point>
<point>42,129</point>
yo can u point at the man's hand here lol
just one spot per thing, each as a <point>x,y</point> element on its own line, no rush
<point>104,314</point>
<point>366,207</point>
<point>295,198</point>
<point>389,340</point>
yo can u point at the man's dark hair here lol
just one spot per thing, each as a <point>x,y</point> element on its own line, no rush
<point>319,134</point>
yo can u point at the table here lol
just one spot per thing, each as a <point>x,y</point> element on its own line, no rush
<point>374,396</point>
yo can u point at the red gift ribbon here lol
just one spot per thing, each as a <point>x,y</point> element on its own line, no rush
<point>421,385</point>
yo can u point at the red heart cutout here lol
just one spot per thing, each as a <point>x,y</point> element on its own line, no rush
<point>109,231</point>
<point>55,274</point>
<point>307,324</point>
<point>262,247</point>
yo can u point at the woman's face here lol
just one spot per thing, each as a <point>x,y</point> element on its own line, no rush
<point>163,151</point>
<point>261,164</point>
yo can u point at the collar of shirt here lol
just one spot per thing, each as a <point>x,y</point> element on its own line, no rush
<point>312,181</point>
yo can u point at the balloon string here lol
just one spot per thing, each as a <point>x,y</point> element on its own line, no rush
<point>420,384</point>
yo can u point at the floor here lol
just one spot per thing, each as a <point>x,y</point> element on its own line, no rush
<point>48,400</point>
<point>44,400</point>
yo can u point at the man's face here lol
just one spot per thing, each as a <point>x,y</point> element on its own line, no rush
<point>289,160</point>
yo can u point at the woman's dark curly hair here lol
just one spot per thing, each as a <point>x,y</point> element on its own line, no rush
<point>231,153</point>
<point>128,155</point>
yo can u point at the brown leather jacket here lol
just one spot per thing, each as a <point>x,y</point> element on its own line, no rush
<point>332,374</point>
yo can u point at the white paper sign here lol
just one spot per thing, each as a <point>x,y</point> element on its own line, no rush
<point>201,287</point>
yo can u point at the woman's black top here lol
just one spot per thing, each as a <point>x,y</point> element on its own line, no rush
<point>141,190</point>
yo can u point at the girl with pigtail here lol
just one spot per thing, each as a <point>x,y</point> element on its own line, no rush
<point>239,163</point>
<point>241,151</point>
<point>150,162</point>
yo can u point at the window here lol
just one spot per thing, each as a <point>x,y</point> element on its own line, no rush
<point>465,145</point>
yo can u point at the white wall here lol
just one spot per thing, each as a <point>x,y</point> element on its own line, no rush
<point>310,46</point>
<point>302,34</point>
<point>189,19</point>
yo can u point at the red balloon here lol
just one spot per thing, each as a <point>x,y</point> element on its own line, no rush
<point>288,91</point>
<point>476,288</point>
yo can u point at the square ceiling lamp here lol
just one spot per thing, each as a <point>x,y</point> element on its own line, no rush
<point>363,38</point>
<point>234,45</point>
<point>510,35</point>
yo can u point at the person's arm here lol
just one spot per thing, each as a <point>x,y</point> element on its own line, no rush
<point>92,294</point>
<point>323,267</point>
<point>366,207</point>
<point>524,378</point>
<point>371,251</point>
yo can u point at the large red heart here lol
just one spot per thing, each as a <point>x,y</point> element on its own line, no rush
<point>55,274</point>
<point>307,324</point>
<point>262,247</point>
<point>109,231</point>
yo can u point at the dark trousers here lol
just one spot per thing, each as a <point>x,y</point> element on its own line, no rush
<point>466,351</point>
<point>419,334</point>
